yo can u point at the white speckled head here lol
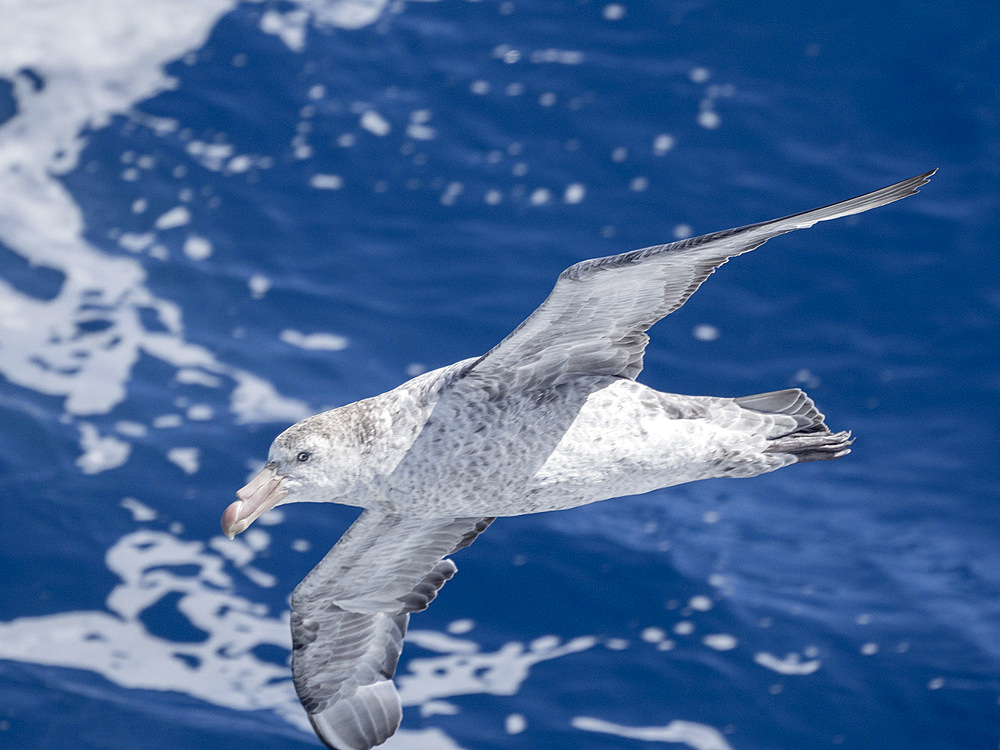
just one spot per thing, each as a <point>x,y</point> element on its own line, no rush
<point>320,459</point>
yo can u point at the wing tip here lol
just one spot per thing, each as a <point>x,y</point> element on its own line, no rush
<point>361,721</point>
<point>859,204</point>
<point>913,184</point>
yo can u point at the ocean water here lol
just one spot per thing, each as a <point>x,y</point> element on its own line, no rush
<point>219,217</point>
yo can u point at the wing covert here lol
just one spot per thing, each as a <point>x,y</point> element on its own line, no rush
<point>594,321</point>
<point>349,616</point>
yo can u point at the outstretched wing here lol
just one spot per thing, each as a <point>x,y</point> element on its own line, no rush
<point>594,321</point>
<point>349,617</point>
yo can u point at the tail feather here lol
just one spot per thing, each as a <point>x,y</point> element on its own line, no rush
<point>810,439</point>
<point>813,446</point>
<point>791,402</point>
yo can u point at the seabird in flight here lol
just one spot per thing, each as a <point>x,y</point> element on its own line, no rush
<point>550,418</point>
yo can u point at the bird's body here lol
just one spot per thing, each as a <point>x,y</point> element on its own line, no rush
<point>549,419</point>
<point>446,443</point>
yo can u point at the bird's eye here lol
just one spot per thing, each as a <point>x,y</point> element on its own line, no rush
<point>303,456</point>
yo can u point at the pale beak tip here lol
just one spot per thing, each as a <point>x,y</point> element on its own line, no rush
<point>262,493</point>
<point>231,525</point>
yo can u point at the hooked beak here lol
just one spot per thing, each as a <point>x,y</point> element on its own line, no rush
<point>262,493</point>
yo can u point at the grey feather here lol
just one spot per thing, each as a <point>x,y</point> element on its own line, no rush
<point>594,321</point>
<point>350,614</point>
<point>816,446</point>
<point>792,402</point>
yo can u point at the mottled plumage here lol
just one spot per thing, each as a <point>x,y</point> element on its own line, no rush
<point>550,418</point>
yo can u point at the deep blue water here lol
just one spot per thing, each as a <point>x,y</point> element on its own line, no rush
<point>850,604</point>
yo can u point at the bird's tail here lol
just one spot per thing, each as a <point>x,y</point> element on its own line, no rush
<point>813,446</point>
<point>811,439</point>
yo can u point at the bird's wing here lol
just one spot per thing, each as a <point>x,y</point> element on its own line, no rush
<point>594,321</point>
<point>349,616</point>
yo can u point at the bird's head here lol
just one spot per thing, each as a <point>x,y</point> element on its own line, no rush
<point>319,459</point>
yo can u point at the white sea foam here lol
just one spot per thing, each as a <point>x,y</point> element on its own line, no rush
<point>289,27</point>
<point>136,243</point>
<point>345,14</point>
<point>90,71</point>
<point>540,196</point>
<point>514,724</point>
<point>574,193</point>
<point>418,129</point>
<point>475,673</point>
<point>561,56</point>
<point>140,512</point>
<point>326,181</point>
<point>200,412</point>
<point>443,643</point>
<point>100,452</point>
<point>175,217</point>
<point>420,739</point>
<point>700,603</point>
<point>259,285</point>
<point>692,734</point>
<point>663,143</point>
<point>375,123</point>
<point>222,668</point>
<point>684,627</point>
<point>613,12</point>
<point>720,641</point>
<point>319,341</point>
<point>188,459</point>
<point>792,664</point>
<point>709,119</point>
<point>212,156</point>
<point>705,332</point>
<point>653,634</point>
<point>197,248</point>
<point>461,627</point>
<point>438,708</point>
